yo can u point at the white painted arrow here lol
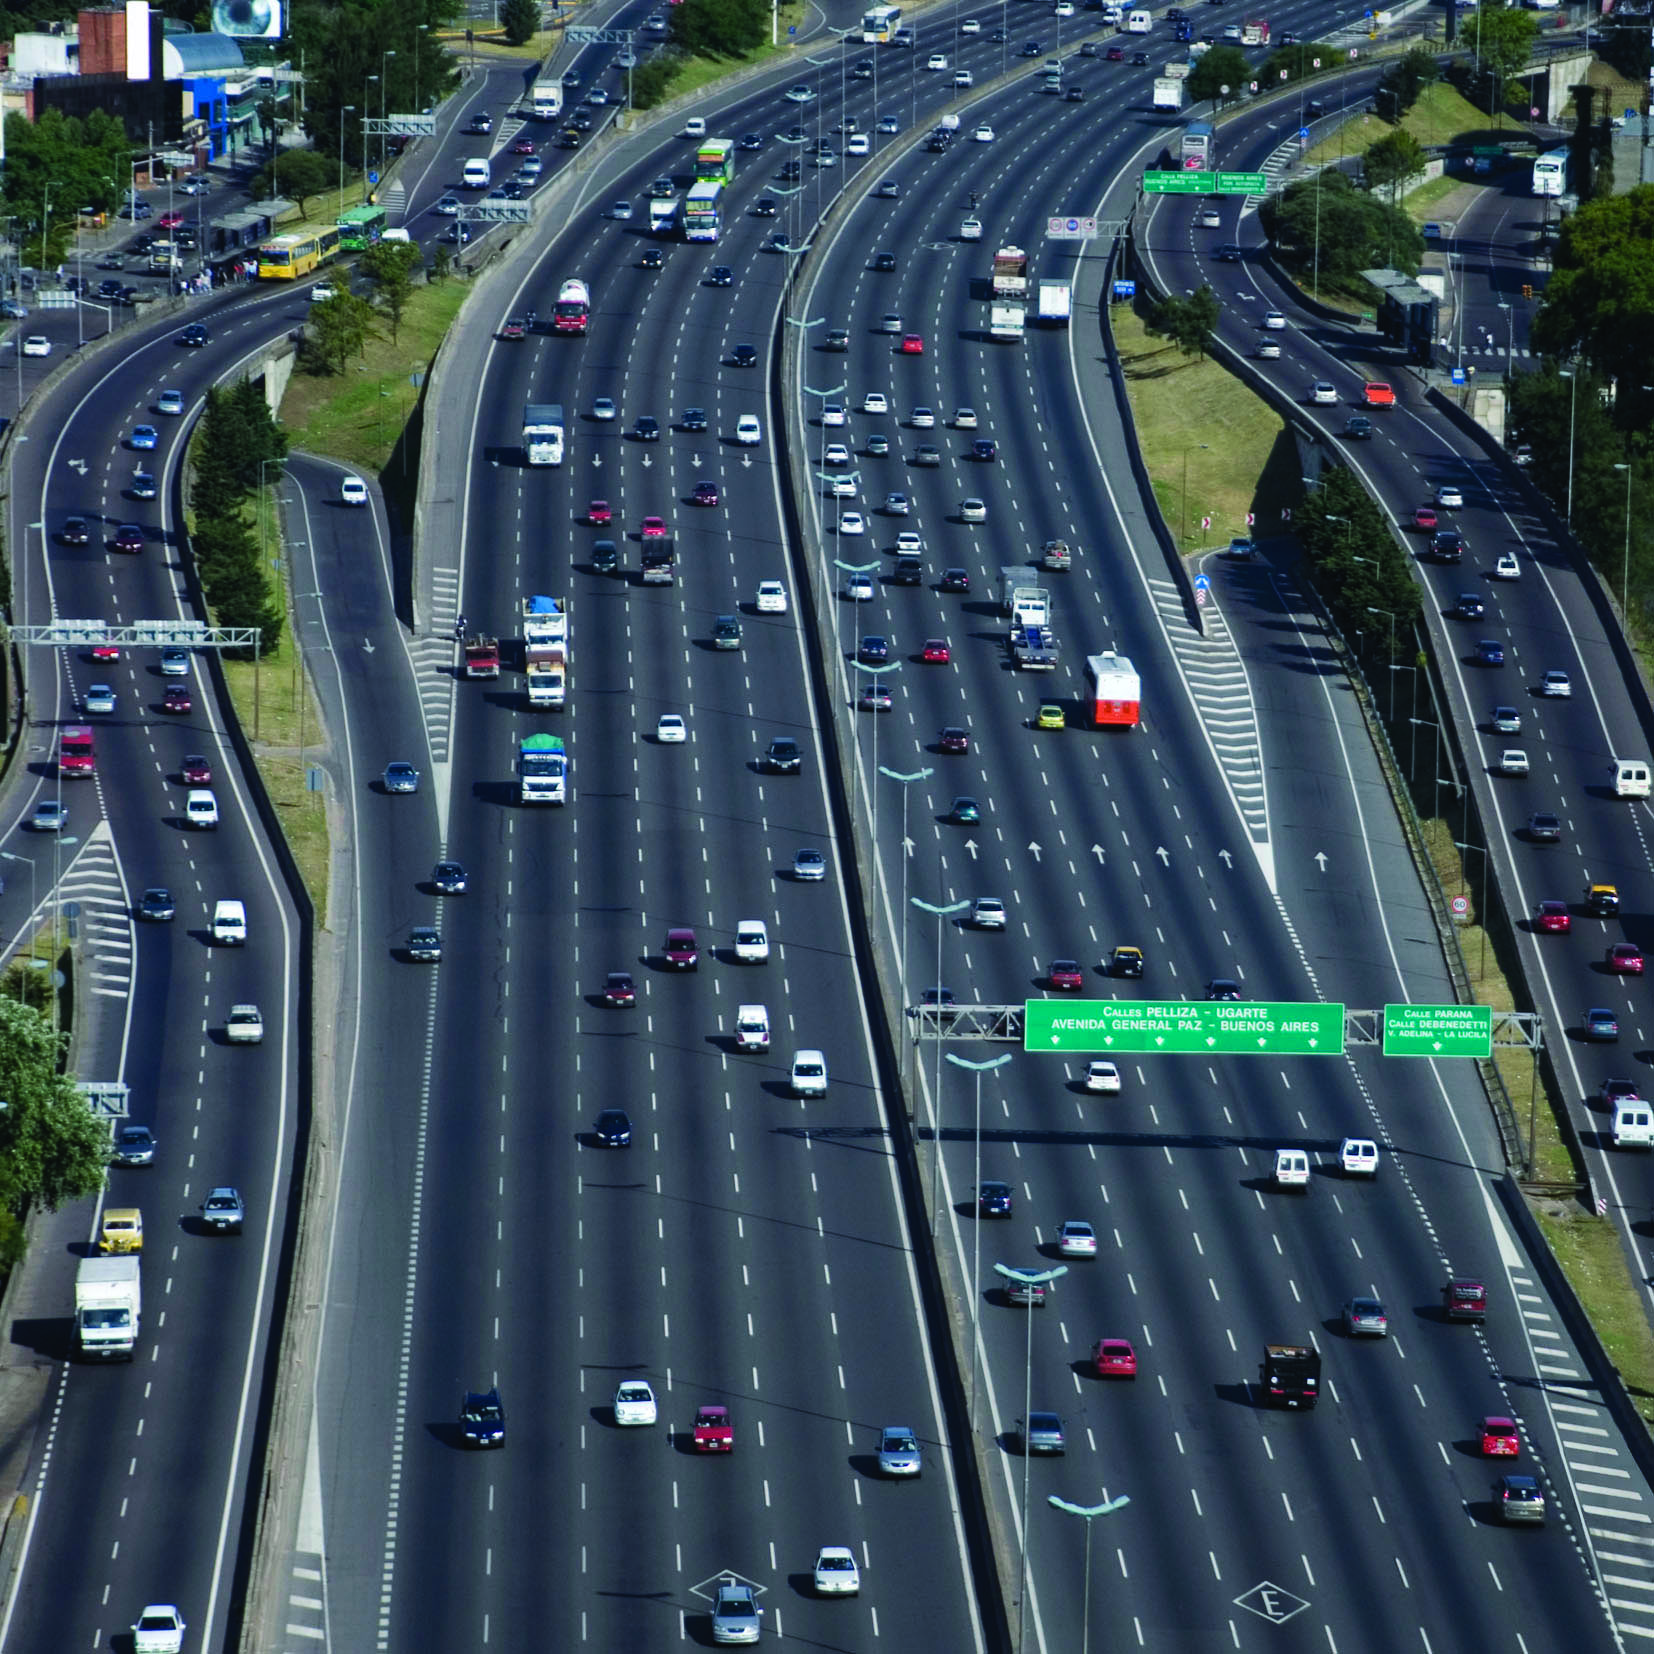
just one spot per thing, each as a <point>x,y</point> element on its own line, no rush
<point>1320,860</point>
<point>78,465</point>
<point>907,846</point>
<point>1165,856</point>
<point>597,462</point>
<point>1097,851</point>
<point>367,646</point>
<point>1226,858</point>
<point>1035,849</point>
<point>970,844</point>
<point>647,461</point>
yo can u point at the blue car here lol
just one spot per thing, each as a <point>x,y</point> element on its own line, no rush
<point>1600,1025</point>
<point>1490,652</point>
<point>143,436</point>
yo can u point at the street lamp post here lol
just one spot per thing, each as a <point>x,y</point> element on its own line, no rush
<point>1183,533</point>
<point>944,911</point>
<point>1625,563</point>
<point>978,1069</point>
<point>1572,375</point>
<point>1028,1277</point>
<point>419,29</point>
<point>347,109</point>
<point>907,851</point>
<point>1373,609</point>
<point>1088,1512</point>
<point>1481,911</point>
<point>366,108</point>
<point>877,674</point>
<point>384,100</point>
<point>1510,337</point>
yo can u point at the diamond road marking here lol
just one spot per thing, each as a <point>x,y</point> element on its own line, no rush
<point>1271,1602</point>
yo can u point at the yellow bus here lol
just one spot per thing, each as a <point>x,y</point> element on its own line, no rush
<point>288,257</point>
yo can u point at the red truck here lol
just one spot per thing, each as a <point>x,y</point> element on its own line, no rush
<point>482,656</point>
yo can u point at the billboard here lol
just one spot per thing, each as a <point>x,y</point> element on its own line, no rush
<point>259,19</point>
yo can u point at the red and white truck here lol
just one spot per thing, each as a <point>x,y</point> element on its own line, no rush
<point>573,308</point>
<point>1117,689</point>
<point>1254,32</point>
<point>482,656</point>
<point>546,651</point>
<point>1010,273</point>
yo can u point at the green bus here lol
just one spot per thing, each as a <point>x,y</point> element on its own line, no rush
<point>715,160</point>
<point>360,227</point>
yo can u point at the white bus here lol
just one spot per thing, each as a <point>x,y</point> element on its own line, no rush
<point>701,210</point>
<point>878,27</point>
<point>1550,173</point>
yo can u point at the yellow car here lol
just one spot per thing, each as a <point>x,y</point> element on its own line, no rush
<point>123,1230</point>
<point>1050,717</point>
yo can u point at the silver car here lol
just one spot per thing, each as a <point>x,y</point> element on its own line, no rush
<point>899,1453</point>
<point>1043,1434</point>
<point>1365,1318</point>
<point>809,865</point>
<point>735,1613</point>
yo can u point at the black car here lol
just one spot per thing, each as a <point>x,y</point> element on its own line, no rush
<point>1447,545</point>
<point>425,945</point>
<point>955,580</point>
<point>482,1419</point>
<point>873,651</point>
<point>726,632</point>
<point>744,356</point>
<point>1031,48</point>
<point>884,263</point>
<point>751,142</point>
<point>789,172</point>
<point>940,141</point>
<point>74,532</point>
<point>1358,428</point>
<point>1470,606</point>
<point>581,120</point>
<point>694,419</point>
<point>613,1129</point>
<point>569,138</point>
<point>449,878</point>
<point>764,207</point>
<point>157,905</point>
<point>110,288</point>
<point>982,448</point>
<point>783,756</point>
<point>1074,94</point>
<point>663,189</point>
<point>647,429</point>
<point>481,125</point>
<point>1228,253</point>
<point>837,340</point>
<point>1139,60</point>
<point>993,1200</point>
<point>195,337</point>
<point>720,275</point>
<point>605,557</point>
<point>909,571</point>
<point>653,259</point>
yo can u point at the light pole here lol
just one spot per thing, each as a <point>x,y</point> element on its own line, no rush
<point>1183,533</point>
<point>1625,563</point>
<point>384,100</point>
<point>978,1069</point>
<point>1435,763</point>
<point>366,108</point>
<point>1088,1512</point>
<point>347,109</point>
<point>1572,375</point>
<point>877,675</point>
<point>1481,911</point>
<point>945,911</point>
<point>907,852</point>
<point>1510,336</point>
<point>1028,1277</point>
<point>419,29</point>
<point>845,568</point>
<point>1373,609</point>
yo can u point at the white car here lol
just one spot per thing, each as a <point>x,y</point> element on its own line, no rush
<point>1063,8</point>
<point>752,1028</point>
<point>984,134</point>
<point>963,77</point>
<point>936,62</point>
<point>832,413</point>
<point>1506,567</point>
<point>1211,218</point>
<point>99,698</point>
<point>200,809</point>
<point>809,1074</point>
<point>352,490</point>
<point>836,1572</point>
<point>772,597</point>
<point>635,1403</point>
<point>922,419</point>
<point>245,1025</point>
<point>859,588</point>
<point>603,408</point>
<point>970,25</point>
<point>170,402</point>
<point>800,94</point>
<point>159,1630</point>
<point>835,453</point>
<point>620,211</point>
<point>1556,686</point>
<point>748,432</point>
<point>1450,497</point>
<point>1274,320</point>
<point>1358,1157</point>
<point>1324,393</point>
<point>858,143</point>
<point>987,913</point>
<point>1102,1076</point>
<point>852,522</point>
<point>970,229</point>
<point>889,124</point>
<point>973,511</point>
<point>323,290</point>
<point>37,344</point>
<point>964,419</point>
<point>875,402</point>
<point>671,730</point>
<point>841,488</point>
<point>1077,1240</point>
<point>909,543</point>
<point>1269,349</point>
<point>752,942</point>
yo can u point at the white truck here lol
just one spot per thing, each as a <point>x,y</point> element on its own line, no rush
<point>1022,597</point>
<point>546,651</point>
<point>1055,302</point>
<point>1010,273</point>
<point>1015,577</point>
<point>1006,322</point>
<point>108,1300</point>
<point>663,214</point>
<point>1117,690</point>
<point>543,433</point>
<point>546,100</point>
<point>1168,92</point>
<point>1177,68</point>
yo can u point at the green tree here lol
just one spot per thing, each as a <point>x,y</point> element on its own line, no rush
<point>338,329</point>
<point>1353,555</point>
<point>1222,66</point>
<point>1187,321</point>
<point>55,166</point>
<point>1500,40</point>
<point>391,265</point>
<point>52,1147</point>
<point>720,28</point>
<point>1302,60</point>
<point>1391,160</point>
<point>299,175</point>
<point>1400,85</point>
<point>232,577</point>
<point>652,78</point>
<point>1599,301</point>
<point>519,19</point>
<point>1353,230</point>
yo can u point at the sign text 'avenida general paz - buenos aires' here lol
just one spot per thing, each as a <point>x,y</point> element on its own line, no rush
<point>1240,1028</point>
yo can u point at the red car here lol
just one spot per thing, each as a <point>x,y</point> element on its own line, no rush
<point>523,146</point>
<point>954,740</point>
<point>195,770</point>
<point>705,493</point>
<point>1115,54</point>
<point>682,952</point>
<point>913,344</point>
<point>514,327</point>
<point>1425,517</point>
<point>935,652</point>
<point>1625,959</point>
<point>1115,1358</point>
<point>654,528</point>
<point>713,1431</point>
<point>1066,974</point>
<point>1378,394</point>
<point>598,513</point>
<point>176,698</point>
<point>1553,919</point>
<point>1499,1439</point>
<point>170,220</point>
<point>129,538</point>
<point>106,651</point>
<point>619,991</point>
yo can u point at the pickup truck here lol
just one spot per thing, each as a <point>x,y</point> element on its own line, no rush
<point>752,1028</point>
<point>1056,555</point>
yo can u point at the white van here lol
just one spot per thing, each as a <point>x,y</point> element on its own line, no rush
<point>1631,778</point>
<point>478,175</point>
<point>1138,22</point>
<point>1633,1124</point>
<point>694,127</point>
<point>200,808</point>
<point>809,1074</point>
<point>1292,1169</point>
<point>229,924</point>
<point>394,235</point>
<point>1358,1157</point>
<point>752,1028</point>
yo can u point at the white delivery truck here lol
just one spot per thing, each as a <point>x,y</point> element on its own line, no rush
<point>1055,302</point>
<point>543,433</point>
<point>1168,92</point>
<point>1006,322</point>
<point>663,214</point>
<point>546,100</point>
<point>108,1300</point>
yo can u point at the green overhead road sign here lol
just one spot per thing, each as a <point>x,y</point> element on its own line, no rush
<point>1229,1028</point>
<point>1438,1030</point>
<point>1205,183</point>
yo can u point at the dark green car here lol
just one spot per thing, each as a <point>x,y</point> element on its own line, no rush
<point>726,632</point>
<point>965,811</point>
